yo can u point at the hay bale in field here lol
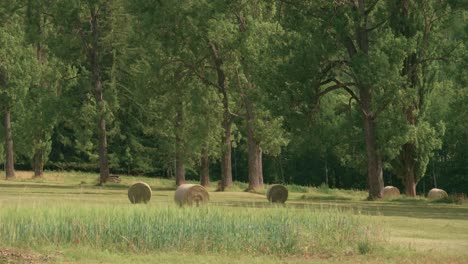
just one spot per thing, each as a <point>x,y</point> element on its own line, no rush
<point>191,194</point>
<point>437,194</point>
<point>139,192</point>
<point>391,192</point>
<point>277,193</point>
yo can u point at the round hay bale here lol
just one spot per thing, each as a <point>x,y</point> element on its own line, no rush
<point>139,192</point>
<point>437,194</point>
<point>391,192</point>
<point>191,194</point>
<point>277,193</point>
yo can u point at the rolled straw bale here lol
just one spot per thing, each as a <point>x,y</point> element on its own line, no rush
<point>139,192</point>
<point>437,194</point>
<point>277,193</point>
<point>191,194</point>
<point>391,192</point>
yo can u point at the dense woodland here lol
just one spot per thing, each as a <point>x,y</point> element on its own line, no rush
<point>347,93</point>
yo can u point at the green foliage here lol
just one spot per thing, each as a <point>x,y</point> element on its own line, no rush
<point>161,96</point>
<point>17,64</point>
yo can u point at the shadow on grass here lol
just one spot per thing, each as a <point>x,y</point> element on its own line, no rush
<point>415,210</point>
<point>116,186</point>
<point>325,198</point>
<point>39,186</point>
<point>78,186</point>
<point>406,207</point>
<point>408,200</point>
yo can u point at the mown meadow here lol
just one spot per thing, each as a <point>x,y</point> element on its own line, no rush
<point>66,218</point>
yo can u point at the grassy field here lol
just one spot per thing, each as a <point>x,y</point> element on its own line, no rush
<point>66,218</point>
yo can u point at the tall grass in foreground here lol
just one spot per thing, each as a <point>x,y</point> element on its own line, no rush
<point>279,231</point>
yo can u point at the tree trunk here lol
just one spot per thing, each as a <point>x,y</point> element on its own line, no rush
<point>255,165</point>
<point>98,95</point>
<point>374,161</point>
<point>38,158</point>
<point>226,166</point>
<point>253,146</point>
<point>254,150</point>
<point>260,166</point>
<point>103,160</point>
<point>38,163</point>
<point>253,162</point>
<point>406,156</point>
<point>10,162</point>
<point>180,169</point>
<point>205,168</point>
<point>180,155</point>
<point>410,184</point>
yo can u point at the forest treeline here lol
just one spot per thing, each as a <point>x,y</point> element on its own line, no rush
<point>351,94</point>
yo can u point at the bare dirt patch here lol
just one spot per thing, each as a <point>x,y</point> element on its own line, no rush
<point>8,255</point>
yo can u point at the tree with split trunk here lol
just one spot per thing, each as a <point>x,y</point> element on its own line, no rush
<point>357,55</point>
<point>207,130</point>
<point>235,37</point>
<point>218,60</point>
<point>424,25</point>
<point>255,162</point>
<point>257,28</point>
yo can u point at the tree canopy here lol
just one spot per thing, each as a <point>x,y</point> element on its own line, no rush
<point>351,94</point>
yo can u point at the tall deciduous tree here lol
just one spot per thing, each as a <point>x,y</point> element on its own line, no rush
<point>358,55</point>
<point>196,32</point>
<point>17,70</point>
<point>97,28</point>
<point>43,101</point>
<point>258,29</point>
<point>177,101</point>
<point>424,24</point>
